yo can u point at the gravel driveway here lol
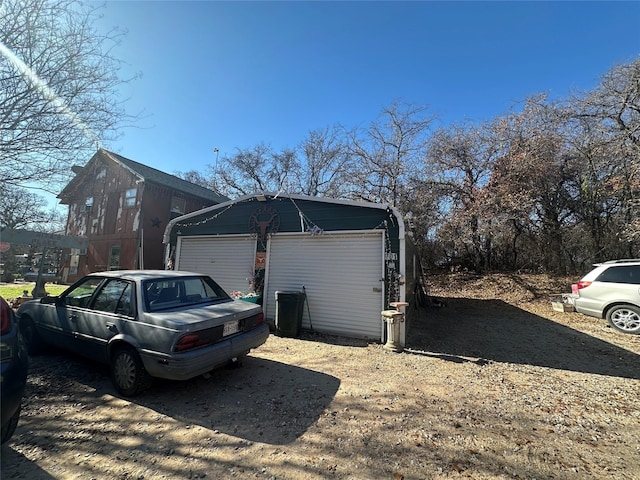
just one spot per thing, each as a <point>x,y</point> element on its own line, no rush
<point>493,385</point>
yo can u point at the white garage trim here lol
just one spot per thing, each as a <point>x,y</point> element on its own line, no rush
<point>342,274</point>
<point>228,259</point>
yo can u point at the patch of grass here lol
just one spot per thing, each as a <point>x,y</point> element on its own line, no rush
<point>10,291</point>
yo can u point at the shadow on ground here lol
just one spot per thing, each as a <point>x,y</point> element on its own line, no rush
<point>493,330</point>
<point>14,465</point>
<point>263,400</point>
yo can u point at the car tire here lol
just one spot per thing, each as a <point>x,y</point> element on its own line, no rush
<point>32,341</point>
<point>10,427</point>
<point>127,372</point>
<point>624,318</point>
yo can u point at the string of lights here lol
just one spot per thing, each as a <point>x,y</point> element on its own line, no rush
<point>309,226</point>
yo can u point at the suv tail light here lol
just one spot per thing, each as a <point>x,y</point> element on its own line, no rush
<point>582,284</point>
<point>5,317</point>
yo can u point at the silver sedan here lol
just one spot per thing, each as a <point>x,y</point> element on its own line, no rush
<point>146,323</point>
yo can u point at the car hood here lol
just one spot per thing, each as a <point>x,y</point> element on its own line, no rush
<point>203,316</point>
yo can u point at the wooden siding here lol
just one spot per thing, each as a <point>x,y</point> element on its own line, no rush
<point>110,221</point>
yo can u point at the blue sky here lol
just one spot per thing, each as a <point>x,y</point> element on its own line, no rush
<point>234,74</point>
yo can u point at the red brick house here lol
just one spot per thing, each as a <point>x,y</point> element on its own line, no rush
<point>123,207</point>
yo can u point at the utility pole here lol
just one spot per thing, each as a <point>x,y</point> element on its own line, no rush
<point>215,170</point>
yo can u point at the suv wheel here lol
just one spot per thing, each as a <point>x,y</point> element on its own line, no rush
<point>624,318</point>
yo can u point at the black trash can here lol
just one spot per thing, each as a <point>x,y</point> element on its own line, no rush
<point>289,310</point>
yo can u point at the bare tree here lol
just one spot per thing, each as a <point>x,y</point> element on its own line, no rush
<point>325,169</point>
<point>457,168</point>
<point>319,167</point>
<point>388,153</point>
<point>609,118</point>
<point>257,169</point>
<point>423,216</point>
<point>602,173</point>
<point>22,209</point>
<point>534,181</point>
<point>615,102</point>
<point>58,90</point>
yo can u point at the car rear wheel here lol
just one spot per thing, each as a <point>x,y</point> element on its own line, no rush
<point>10,427</point>
<point>32,341</point>
<point>624,318</point>
<point>128,373</point>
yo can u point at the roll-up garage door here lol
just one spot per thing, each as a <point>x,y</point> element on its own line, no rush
<point>228,260</point>
<point>341,274</point>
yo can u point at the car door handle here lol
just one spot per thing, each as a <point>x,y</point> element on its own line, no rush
<point>112,327</point>
<point>73,318</point>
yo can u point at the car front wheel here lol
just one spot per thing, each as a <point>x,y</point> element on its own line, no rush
<point>31,337</point>
<point>128,373</point>
<point>624,318</point>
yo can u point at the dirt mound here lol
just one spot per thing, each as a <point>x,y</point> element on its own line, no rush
<point>510,287</point>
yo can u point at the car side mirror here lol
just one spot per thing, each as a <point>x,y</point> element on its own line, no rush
<point>48,300</point>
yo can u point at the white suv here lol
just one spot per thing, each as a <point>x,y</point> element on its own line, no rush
<point>612,291</point>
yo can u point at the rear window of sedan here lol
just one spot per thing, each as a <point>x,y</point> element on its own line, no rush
<point>165,293</point>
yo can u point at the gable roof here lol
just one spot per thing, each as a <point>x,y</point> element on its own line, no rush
<point>152,175</point>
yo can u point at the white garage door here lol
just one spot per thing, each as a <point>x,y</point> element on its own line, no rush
<point>228,260</point>
<point>341,274</point>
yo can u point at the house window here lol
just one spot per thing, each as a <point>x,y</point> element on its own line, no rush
<point>130,197</point>
<point>88,203</point>
<point>74,262</point>
<point>114,258</point>
<point>178,206</point>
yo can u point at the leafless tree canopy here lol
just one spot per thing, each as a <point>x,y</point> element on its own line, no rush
<point>389,152</point>
<point>23,209</point>
<point>553,186</point>
<point>58,90</point>
<point>326,164</point>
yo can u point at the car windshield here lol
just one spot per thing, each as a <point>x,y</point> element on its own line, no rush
<point>165,293</point>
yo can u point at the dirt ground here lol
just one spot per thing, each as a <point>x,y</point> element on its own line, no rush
<point>492,385</point>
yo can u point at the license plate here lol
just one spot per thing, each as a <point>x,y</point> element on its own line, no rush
<point>230,328</point>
